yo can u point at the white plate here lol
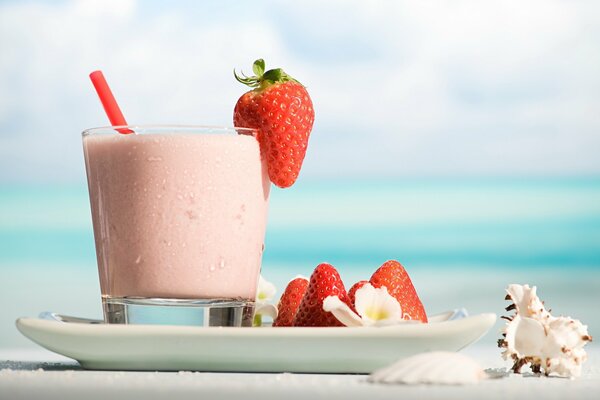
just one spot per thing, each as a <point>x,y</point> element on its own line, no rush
<point>266,349</point>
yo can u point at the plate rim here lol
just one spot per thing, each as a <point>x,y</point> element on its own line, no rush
<point>24,324</point>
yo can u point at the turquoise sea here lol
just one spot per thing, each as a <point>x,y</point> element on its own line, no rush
<point>462,241</point>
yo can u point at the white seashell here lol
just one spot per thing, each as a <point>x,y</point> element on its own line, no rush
<point>533,336</point>
<point>438,367</point>
<point>527,302</point>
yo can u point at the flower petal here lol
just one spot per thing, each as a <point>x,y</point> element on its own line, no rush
<point>376,306</point>
<point>266,290</point>
<point>266,309</point>
<point>341,311</point>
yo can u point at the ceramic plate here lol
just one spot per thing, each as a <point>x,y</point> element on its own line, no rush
<point>266,349</point>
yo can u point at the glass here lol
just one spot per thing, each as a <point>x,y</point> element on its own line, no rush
<point>179,216</point>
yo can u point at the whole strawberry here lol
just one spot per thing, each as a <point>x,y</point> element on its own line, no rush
<point>281,109</point>
<point>324,281</point>
<point>394,277</point>
<point>290,301</point>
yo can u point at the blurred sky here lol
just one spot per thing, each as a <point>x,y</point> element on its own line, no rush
<point>439,88</point>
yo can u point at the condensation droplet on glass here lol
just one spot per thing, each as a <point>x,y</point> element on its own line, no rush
<point>138,259</point>
<point>212,268</point>
<point>222,263</point>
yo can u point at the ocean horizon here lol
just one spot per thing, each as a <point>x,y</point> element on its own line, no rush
<point>462,241</point>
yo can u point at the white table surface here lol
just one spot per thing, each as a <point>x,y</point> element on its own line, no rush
<point>30,374</point>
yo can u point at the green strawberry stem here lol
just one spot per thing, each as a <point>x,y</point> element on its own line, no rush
<point>262,79</point>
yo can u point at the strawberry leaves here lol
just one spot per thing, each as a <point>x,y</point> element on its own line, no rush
<point>258,67</point>
<point>262,79</point>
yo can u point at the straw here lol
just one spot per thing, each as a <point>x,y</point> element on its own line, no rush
<point>109,103</point>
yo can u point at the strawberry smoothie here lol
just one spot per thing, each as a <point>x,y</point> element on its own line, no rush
<point>179,213</point>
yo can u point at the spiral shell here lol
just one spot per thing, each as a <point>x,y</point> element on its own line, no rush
<point>533,336</point>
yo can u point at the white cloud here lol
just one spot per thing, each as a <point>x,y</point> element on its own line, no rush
<point>426,87</point>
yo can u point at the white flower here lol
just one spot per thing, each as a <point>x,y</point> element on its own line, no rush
<point>375,307</point>
<point>266,291</point>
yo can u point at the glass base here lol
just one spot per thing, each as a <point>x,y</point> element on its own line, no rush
<point>195,312</point>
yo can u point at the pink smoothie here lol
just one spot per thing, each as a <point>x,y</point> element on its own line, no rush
<point>177,215</point>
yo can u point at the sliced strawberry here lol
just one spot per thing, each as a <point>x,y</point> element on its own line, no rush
<point>290,301</point>
<point>394,277</point>
<point>324,281</point>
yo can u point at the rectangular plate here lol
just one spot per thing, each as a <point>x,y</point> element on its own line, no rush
<point>266,349</point>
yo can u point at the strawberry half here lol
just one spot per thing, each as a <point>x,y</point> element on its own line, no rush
<point>394,277</point>
<point>280,108</point>
<point>290,301</point>
<point>324,281</point>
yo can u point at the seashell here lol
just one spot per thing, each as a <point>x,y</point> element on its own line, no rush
<point>533,336</point>
<point>438,367</point>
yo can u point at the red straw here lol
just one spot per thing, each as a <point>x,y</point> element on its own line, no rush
<point>108,101</point>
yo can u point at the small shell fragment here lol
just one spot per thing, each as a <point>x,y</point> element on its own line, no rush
<point>438,367</point>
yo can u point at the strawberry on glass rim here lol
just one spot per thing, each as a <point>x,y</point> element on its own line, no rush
<point>279,107</point>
